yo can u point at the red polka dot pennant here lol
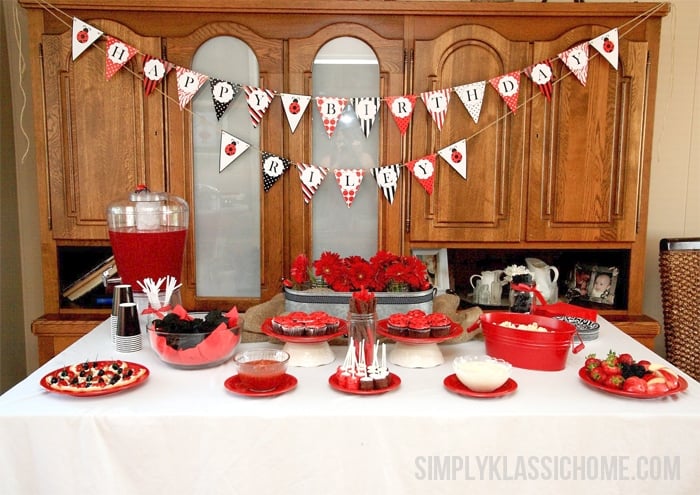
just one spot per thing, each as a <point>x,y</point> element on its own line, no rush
<point>508,86</point>
<point>117,54</point>
<point>423,169</point>
<point>349,180</point>
<point>330,109</point>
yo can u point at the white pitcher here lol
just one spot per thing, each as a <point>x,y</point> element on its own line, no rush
<point>546,277</point>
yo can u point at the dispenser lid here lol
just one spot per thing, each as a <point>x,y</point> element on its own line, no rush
<point>142,193</point>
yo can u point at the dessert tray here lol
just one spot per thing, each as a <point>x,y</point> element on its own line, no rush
<point>682,385</point>
<point>233,384</point>
<point>306,350</point>
<point>94,378</point>
<point>453,384</point>
<point>412,352</point>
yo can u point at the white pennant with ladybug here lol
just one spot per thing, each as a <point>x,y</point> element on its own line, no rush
<point>188,83</point>
<point>576,59</point>
<point>154,70</point>
<point>223,93</point>
<point>84,35</point>
<point>456,155</point>
<point>472,96</point>
<point>117,54</point>
<point>311,178</point>
<point>366,109</point>
<point>423,169</point>
<point>294,108</point>
<point>273,168</point>
<point>508,86</point>
<point>349,180</point>
<point>330,108</point>
<point>259,100</point>
<point>437,102</point>
<point>231,148</point>
<point>387,178</point>
<point>607,45</point>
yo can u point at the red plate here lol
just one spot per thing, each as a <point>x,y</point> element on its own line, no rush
<point>303,339</point>
<point>394,382</point>
<point>453,384</point>
<point>682,385</point>
<point>233,384</point>
<point>94,392</point>
<point>455,331</point>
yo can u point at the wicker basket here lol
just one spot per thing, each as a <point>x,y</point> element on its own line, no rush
<point>679,267</point>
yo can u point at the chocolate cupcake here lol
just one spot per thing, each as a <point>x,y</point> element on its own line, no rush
<point>397,324</point>
<point>439,325</point>
<point>419,327</point>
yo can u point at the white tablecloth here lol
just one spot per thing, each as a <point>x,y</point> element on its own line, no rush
<point>182,432</point>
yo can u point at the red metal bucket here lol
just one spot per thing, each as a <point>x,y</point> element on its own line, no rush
<point>545,351</point>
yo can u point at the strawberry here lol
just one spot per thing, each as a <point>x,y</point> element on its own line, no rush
<point>591,362</point>
<point>597,374</point>
<point>635,384</point>
<point>610,364</point>
<point>614,381</point>
<point>625,359</point>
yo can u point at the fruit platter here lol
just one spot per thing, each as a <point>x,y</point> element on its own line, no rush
<point>621,374</point>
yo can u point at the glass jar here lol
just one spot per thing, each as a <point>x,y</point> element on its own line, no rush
<point>362,327</point>
<point>521,294</point>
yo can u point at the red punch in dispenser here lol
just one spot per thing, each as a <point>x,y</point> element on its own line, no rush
<point>147,231</point>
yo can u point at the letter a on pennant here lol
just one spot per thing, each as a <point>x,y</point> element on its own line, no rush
<point>423,169</point>
<point>117,54</point>
<point>154,70</point>
<point>330,109</point>
<point>542,75</point>
<point>84,35</point>
<point>311,178</point>
<point>349,180</point>
<point>508,86</point>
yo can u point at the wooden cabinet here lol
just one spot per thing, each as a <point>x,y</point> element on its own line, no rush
<point>567,174</point>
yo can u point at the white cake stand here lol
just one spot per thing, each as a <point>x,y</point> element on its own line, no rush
<point>410,352</point>
<point>306,351</point>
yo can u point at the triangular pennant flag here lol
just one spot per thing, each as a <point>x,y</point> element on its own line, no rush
<point>330,109</point>
<point>118,54</point>
<point>456,155</point>
<point>311,178</point>
<point>576,59</point>
<point>294,108</point>
<point>259,100</point>
<point>423,169</point>
<point>472,96</point>
<point>188,83</point>
<point>154,70</point>
<point>401,108</point>
<point>508,86</point>
<point>607,45</point>
<point>84,35</point>
<point>542,75</point>
<point>349,180</point>
<point>273,168</point>
<point>231,148</point>
<point>387,178</point>
<point>222,93</point>
<point>366,109</point>
<point>437,102</point>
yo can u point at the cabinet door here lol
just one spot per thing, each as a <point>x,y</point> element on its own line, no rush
<point>487,205</point>
<point>586,146</point>
<point>103,136</point>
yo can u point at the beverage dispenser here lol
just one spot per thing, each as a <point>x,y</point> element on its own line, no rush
<point>147,231</point>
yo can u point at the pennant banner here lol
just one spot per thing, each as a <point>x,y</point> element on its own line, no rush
<point>607,45</point>
<point>508,86</point>
<point>576,59</point>
<point>231,148</point>
<point>472,96</point>
<point>117,55</point>
<point>423,169</point>
<point>436,102</point>
<point>387,178</point>
<point>273,168</point>
<point>349,180</point>
<point>188,83</point>
<point>366,109</point>
<point>223,93</point>
<point>401,108</point>
<point>330,109</point>
<point>154,70</point>
<point>311,178</point>
<point>456,155</point>
<point>84,35</point>
<point>542,75</point>
<point>294,108</point>
<point>259,100</point>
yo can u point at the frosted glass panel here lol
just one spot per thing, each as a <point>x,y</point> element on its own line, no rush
<point>226,204</point>
<point>345,67</point>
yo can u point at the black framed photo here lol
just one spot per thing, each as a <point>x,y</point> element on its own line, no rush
<point>593,283</point>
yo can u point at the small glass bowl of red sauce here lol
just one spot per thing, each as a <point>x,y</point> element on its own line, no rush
<point>261,370</point>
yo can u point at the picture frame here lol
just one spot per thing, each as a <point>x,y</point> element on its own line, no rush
<point>594,283</point>
<point>438,269</point>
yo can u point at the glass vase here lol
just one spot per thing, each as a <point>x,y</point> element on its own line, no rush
<point>362,327</point>
<point>521,294</point>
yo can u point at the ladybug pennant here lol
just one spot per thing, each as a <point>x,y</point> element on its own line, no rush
<point>330,109</point>
<point>294,108</point>
<point>436,102</point>
<point>259,100</point>
<point>456,155</point>
<point>222,93</point>
<point>349,180</point>
<point>423,169</point>
<point>231,148</point>
<point>117,54</point>
<point>607,45</point>
<point>154,70</point>
<point>84,35</point>
<point>542,75</point>
<point>472,96</point>
<point>508,86</point>
<point>387,178</point>
<point>188,83</point>
<point>273,168</point>
<point>401,108</point>
<point>576,59</point>
<point>366,109</point>
<point>311,178</point>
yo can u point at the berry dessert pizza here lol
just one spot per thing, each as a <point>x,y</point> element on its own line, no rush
<point>94,377</point>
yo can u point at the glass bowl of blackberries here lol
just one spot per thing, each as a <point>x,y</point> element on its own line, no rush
<point>195,340</point>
